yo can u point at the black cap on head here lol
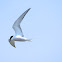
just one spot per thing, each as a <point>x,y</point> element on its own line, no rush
<point>11,37</point>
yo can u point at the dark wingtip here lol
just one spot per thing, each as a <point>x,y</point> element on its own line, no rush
<point>14,47</point>
<point>29,8</point>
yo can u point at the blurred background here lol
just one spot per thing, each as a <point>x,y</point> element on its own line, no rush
<point>42,24</point>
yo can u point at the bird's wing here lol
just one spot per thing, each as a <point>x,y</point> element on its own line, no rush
<point>12,43</point>
<point>16,25</point>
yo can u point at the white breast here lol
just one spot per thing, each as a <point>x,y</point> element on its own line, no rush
<point>18,36</point>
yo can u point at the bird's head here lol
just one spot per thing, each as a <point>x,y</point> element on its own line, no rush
<point>11,41</point>
<point>10,38</point>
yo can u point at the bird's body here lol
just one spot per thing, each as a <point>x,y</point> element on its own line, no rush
<point>19,38</point>
<point>18,31</point>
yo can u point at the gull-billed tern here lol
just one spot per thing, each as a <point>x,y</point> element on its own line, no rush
<point>18,31</point>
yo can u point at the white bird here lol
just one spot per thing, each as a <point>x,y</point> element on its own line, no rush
<point>18,31</point>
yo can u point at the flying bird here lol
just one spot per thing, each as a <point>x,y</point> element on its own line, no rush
<point>18,31</point>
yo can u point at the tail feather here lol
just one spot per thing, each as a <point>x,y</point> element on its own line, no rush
<point>29,39</point>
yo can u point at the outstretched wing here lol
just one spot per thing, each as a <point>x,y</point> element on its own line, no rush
<point>12,43</point>
<point>16,25</point>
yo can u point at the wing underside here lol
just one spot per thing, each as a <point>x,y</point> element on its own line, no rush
<point>12,43</point>
<point>16,25</point>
